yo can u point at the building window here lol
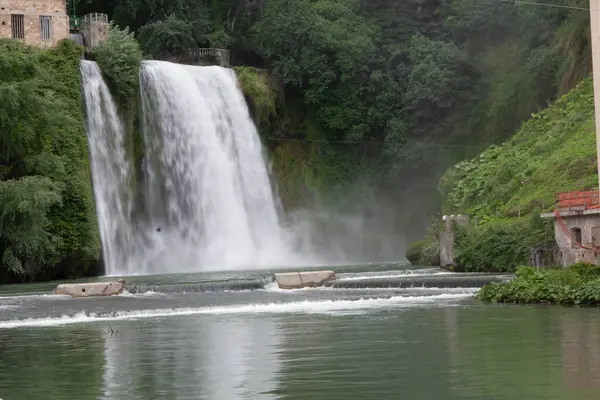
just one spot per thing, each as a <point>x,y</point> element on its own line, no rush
<point>18,26</point>
<point>575,236</point>
<point>45,27</point>
<point>596,236</point>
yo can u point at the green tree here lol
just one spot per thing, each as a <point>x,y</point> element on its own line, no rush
<point>47,223</point>
<point>168,38</point>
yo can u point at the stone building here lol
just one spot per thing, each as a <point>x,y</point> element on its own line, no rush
<point>577,226</point>
<point>36,22</point>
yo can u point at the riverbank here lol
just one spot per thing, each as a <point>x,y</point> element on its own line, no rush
<point>579,284</point>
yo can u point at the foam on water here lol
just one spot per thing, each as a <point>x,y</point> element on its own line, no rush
<point>273,287</point>
<point>149,293</point>
<point>389,276</point>
<point>36,296</point>
<point>299,307</point>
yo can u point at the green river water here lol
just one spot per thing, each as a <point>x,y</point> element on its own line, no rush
<point>307,344</point>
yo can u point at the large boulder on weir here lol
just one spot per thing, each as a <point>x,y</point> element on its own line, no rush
<point>297,280</point>
<point>91,289</point>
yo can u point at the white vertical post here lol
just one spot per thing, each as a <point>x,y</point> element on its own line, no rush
<point>595,34</point>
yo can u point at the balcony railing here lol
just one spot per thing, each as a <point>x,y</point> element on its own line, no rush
<point>95,17</point>
<point>74,24</point>
<point>195,55</point>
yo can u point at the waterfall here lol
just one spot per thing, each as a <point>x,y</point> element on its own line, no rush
<point>208,189</point>
<point>111,170</point>
<point>204,200</point>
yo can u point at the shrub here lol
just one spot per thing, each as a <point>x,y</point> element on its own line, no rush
<point>255,86</point>
<point>415,251</point>
<point>426,251</point>
<point>119,58</point>
<point>168,38</point>
<point>579,284</point>
<point>500,246</point>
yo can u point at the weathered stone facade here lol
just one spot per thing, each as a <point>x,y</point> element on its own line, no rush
<point>94,29</point>
<point>581,227</point>
<point>577,226</point>
<point>37,22</point>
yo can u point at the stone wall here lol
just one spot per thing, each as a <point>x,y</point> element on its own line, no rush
<point>31,11</point>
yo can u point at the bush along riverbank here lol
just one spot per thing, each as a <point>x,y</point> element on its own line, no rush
<point>578,284</point>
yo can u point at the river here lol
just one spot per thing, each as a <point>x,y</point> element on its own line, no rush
<point>419,343</point>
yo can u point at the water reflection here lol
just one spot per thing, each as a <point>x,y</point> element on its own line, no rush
<point>450,353</point>
<point>581,348</point>
<point>50,364</point>
<point>184,358</point>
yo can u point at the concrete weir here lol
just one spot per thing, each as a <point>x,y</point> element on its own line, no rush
<point>199,287</point>
<point>297,280</point>
<point>91,289</point>
<point>285,280</point>
<point>446,281</point>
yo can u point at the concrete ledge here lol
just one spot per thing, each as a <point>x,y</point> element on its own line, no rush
<point>91,289</point>
<point>572,213</point>
<point>297,280</point>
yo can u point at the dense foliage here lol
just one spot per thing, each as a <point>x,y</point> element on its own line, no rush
<point>119,57</point>
<point>579,284</point>
<point>553,151</point>
<point>259,93</point>
<point>47,224</point>
<point>501,245</point>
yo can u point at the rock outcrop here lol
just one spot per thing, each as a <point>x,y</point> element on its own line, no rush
<point>297,280</point>
<point>91,289</point>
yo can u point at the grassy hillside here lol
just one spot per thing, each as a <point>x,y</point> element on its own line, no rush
<point>554,151</point>
<point>505,188</point>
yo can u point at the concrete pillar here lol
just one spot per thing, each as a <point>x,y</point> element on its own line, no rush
<point>446,249</point>
<point>447,238</point>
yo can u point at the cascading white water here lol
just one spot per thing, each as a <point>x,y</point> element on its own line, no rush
<point>208,200</point>
<point>203,198</point>
<point>111,170</point>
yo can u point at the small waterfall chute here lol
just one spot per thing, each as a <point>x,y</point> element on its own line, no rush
<point>111,169</point>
